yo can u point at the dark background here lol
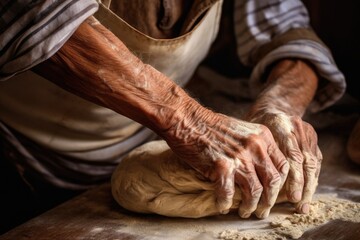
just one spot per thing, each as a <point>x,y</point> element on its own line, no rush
<point>337,24</point>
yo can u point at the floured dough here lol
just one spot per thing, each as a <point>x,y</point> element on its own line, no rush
<point>151,179</point>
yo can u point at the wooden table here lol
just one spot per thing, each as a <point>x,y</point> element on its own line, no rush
<point>95,215</point>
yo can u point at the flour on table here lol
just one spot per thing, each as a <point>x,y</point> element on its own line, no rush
<point>151,179</point>
<point>323,209</point>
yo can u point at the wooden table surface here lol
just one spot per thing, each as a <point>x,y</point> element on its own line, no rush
<point>95,215</point>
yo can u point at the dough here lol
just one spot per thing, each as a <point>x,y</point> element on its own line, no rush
<point>151,179</point>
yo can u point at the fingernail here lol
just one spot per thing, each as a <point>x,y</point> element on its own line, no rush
<point>305,208</point>
<point>264,214</point>
<point>245,214</point>
<point>224,206</point>
<point>296,196</point>
<point>226,211</point>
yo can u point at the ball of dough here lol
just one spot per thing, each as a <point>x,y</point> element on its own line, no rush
<point>152,179</point>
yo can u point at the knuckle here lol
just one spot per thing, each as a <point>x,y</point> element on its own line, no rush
<point>256,191</point>
<point>227,192</point>
<point>307,126</point>
<point>319,156</point>
<point>296,158</point>
<point>295,177</point>
<point>272,149</point>
<point>297,181</point>
<point>311,161</point>
<point>284,167</point>
<point>245,169</point>
<point>266,132</point>
<point>254,142</point>
<point>296,120</point>
<point>311,166</point>
<point>275,180</point>
<point>310,132</point>
<point>257,144</point>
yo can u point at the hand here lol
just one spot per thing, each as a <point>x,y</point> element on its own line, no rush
<point>228,151</point>
<point>298,142</point>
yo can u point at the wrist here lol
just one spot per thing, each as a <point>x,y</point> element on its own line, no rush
<point>185,120</point>
<point>291,86</point>
<point>261,116</point>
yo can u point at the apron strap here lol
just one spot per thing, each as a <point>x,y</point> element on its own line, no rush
<point>106,3</point>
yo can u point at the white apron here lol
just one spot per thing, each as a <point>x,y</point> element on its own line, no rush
<point>71,126</point>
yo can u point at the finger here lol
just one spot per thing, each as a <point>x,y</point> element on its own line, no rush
<point>315,151</point>
<point>271,181</point>
<point>312,164</point>
<point>311,180</point>
<point>251,189</point>
<point>224,188</point>
<point>277,157</point>
<point>280,163</point>
<point>319,157</point>
<point>295,181</point>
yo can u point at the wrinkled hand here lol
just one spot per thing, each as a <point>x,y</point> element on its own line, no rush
<point>228,151</point>
<point>298,142</point>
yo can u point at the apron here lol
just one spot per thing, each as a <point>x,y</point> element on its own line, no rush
<point>68,128</point>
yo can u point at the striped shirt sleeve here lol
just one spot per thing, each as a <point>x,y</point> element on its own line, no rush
<point>31,31</point>
<point>269,30</point>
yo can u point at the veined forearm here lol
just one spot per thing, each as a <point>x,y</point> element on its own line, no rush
<point>291,87</point>
<point>97,66</point>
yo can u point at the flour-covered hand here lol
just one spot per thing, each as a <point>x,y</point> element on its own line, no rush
<point>298,142</point>
<point>291,86</point>
<point>228,151</point>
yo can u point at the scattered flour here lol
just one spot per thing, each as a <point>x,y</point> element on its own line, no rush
<point>322,210</point>
<point>282,223</point>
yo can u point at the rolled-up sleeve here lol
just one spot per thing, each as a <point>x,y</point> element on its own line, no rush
<point>32,31</point>
<point>270,30</point>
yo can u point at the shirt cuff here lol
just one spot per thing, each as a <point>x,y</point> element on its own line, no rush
<point>315,53</point>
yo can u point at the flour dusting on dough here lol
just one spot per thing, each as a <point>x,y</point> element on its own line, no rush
<point>151,179</point>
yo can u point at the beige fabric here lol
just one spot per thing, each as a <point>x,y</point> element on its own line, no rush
<point>57,119</point>
<point>64,122</point>
<point>177,57</point>
<point>163,19</point>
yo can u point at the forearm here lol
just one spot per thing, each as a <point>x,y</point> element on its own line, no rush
<point>97,66</point>
<point>291,86</point>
